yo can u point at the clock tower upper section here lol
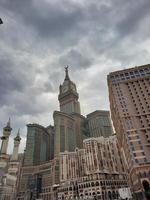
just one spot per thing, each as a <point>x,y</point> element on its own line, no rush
<point>68,96</point>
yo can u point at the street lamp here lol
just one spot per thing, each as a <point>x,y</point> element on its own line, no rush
<point>1,22</point>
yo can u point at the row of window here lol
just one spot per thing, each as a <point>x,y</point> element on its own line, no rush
<point>93,184</point>
<point>140,90</point>
<point>130,75</point>
<point>93,195</point>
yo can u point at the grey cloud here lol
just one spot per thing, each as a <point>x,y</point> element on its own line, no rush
<point>136,11</point>
<point>17,87</point>
<point>8,80</point>
<point>48,19</point>
<point>39,38</point>
<point>95,85</point>
<point>75,59</point>
<point>12,78</point>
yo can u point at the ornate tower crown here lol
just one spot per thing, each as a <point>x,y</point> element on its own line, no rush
<point>8,123</point>
<point>67,75</point>
<point>7,129</point>
<point>18,138</point>
<point>68,96</point>
<point>67,85</point>
<point>5,138</point>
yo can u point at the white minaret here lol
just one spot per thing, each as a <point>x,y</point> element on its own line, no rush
<point>16,147</point>
<point>5,138</point>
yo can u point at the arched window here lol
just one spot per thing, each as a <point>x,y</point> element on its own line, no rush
<point>92,184</point>
<point>146,185</point>
<point>114,194</point>
<point>97,183</point>
<point>70,188</point>
<point>109,195</point>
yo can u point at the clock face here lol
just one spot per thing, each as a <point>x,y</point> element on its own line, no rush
<point>64,89</point>
<point>73,87</point>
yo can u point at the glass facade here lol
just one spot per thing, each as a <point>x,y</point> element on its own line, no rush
<point>99,124</point>
<point>29,153</point>
<point>37,145</point>
<point>62,138</point>
<point>43,151</point>
<point>71,139</point>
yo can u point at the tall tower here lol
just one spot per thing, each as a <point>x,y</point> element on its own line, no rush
<point>16,147</point>
<point>68,96</point>
<point>5,138</point>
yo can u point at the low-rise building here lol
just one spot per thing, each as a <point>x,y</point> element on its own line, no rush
<point>97,170</point>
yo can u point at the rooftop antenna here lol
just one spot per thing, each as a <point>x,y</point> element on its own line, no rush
<point>66,71</point>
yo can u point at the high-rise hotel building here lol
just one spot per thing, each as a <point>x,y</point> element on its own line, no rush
<point>129,95</point>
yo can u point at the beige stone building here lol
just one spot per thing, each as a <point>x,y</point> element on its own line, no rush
<point>72,165</point>
<point>96,171</point>
<point>102,155</point>
<point>129,95</point>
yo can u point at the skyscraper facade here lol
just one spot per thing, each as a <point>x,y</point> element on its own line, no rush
<point>129,95</point>
<point>37,145</point>
<point>99,123</point>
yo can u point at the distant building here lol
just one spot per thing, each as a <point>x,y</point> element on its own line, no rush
<point>129,94</point>
<point>99,123</point>
<point>37,145</point>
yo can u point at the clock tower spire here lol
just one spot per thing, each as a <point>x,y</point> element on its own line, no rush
<point>67,75</point>
<point>68,96</point>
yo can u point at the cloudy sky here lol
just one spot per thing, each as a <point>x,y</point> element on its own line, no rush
<point>39,38</point>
